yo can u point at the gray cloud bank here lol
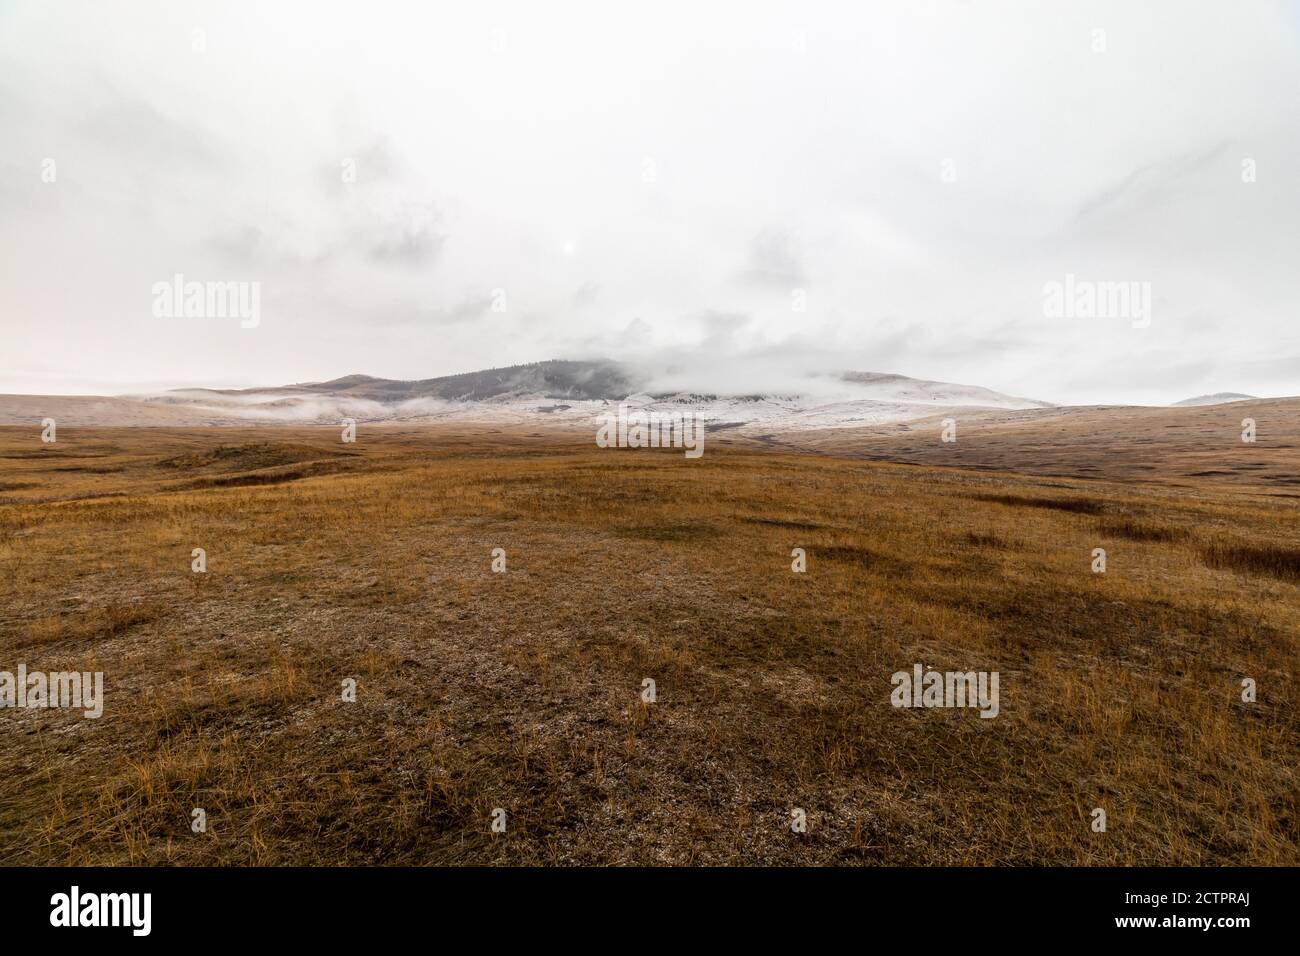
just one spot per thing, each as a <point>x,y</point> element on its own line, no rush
<point>738,194</point>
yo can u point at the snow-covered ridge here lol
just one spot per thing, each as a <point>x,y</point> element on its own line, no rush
<point>576,393</point>
<point>1218,398</point>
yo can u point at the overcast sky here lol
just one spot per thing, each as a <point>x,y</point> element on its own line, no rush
<point>653,182</point>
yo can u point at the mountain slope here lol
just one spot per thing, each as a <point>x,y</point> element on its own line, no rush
<point>556,392</point>
<point>1218,398</point>
<point>901,388</point>
<point>557,378</point>
<point>612,381</point>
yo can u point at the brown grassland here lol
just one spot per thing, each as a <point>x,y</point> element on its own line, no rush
<point>521,690</point>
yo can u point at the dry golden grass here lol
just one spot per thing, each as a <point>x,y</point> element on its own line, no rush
<point>1192,448</point>
<point>1281,562</point>
<point>522,690</point>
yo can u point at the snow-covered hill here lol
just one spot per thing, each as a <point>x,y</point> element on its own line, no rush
<point>558,392</point>
<point>1218,398</point>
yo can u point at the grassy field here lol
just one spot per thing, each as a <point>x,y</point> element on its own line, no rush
<point>522,690</point>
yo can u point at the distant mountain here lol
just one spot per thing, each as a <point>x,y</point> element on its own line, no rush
<point>557,392</point>
<point>1218,398</point>
<point>900,388</point>
<point>611,381</point>
<point>552,379</point>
